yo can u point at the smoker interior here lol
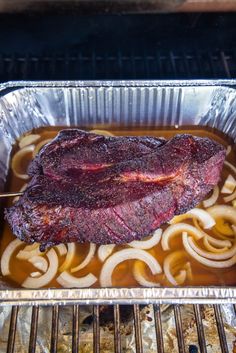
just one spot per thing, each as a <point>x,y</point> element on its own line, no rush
<point>68,46</point>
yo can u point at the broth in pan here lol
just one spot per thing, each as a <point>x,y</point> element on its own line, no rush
<point>196,249</point>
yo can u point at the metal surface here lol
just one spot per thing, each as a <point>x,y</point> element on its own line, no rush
<point>10,194</point>
<point>25,105</point>
<point>152,64</point>
<point>139,336</point>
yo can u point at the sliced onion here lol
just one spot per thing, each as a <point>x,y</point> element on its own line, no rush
<point>168,264</point>
<point>176,229</point>
<point>149,243</point>
<point>140,278</point>
<point>40,145</point>
<point>229,185</point>
<point>26,254</point>
<point>230,198</point>
<point>62,249</point>
<point>101,132</point>
<point>21,190</point>
<point>6,256</point>
<point>228,150</point>
<point>28,140</point>
<point>17,158</point>
<point>223,212</point>
<point>231,166</point>
<point>189,271</point>
<point>181,277</point>
<point>204,217</point>
<point>69,257</point>
<point>90,255</point>
<point>39,262</point>
<point>123,255</point>
<point>48,276</point>
<point>211,248</point>
<point>104,251</point>
<point>35,274</point>
<point>213,198</point>
<point>203,260</point>
<point>217,242</point>
<point>213,256</point>
<point>66,280</point>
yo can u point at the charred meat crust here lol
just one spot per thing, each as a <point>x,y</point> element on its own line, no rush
<point>87,187</point>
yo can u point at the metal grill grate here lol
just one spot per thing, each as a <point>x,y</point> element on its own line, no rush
<point>119,65</point>
<point>75,334</point>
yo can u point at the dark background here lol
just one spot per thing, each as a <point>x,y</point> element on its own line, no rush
<point>65,45</point>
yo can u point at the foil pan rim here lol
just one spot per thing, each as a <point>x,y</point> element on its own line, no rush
<point>118,83</point>
<point>117,295</point>
<point>167,295</point>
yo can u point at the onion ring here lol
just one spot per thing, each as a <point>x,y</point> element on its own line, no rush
<point>149,243</point>
<point>86,261</point>
<point>6,256</point>
<point>104,251</point>
<point>168,263</point>
<point>203,216</point>
<point>66,280</point>
<point>175,229</point>
<point>39,262</point>
<point>48,276</point>
<point>123,255</point>
<point>28,140</point>
<point>203,260</point>
<point>213,198</point>
<point>69,257</point>
<point>17,158</point>
<point>140,278</point>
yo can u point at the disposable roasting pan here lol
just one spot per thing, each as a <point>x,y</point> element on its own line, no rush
<point>27,105</point>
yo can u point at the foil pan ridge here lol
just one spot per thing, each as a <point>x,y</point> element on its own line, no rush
<point>27,105</point>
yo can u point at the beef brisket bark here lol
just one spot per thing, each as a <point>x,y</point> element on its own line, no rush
<point>124,200</point>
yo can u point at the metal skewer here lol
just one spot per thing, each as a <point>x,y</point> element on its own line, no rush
<point>10,194</point>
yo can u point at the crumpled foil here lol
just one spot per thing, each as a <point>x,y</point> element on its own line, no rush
<point>28,105</point>
<point>127,330</point>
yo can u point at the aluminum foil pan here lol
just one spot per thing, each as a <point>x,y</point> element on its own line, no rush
<point>27,105</point>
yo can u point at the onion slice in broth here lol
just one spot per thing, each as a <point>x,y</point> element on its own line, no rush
<point>71,249</point>
<point>7,254</point>
<point>104,251</point>
<point>213,198</point>
<point>188,241</point>
<point>123,255</point>
<point>17,159</point>
<point>48,276</point>
<point>176,229</point>
<point>86,261</point>
<point>140,277</point>
<point>66,280</point>
<point>149,243</point>
<point>204,217</point>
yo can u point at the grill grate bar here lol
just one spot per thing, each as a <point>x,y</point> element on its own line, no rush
<point>225,64</point>
<point>75,329</point>
<point>12,329</point>
<point>200,329</point>
<point>137,328</point>
<point>158,325</point>
<point>150,63</point>
<point>54,329</point>
<point>220,328</point>
<point>96,329</point>
<point>33,329</point>
<point>179,329</point>
<point>117,338</point>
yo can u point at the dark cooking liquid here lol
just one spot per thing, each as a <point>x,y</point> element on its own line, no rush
<point>122,276</point>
